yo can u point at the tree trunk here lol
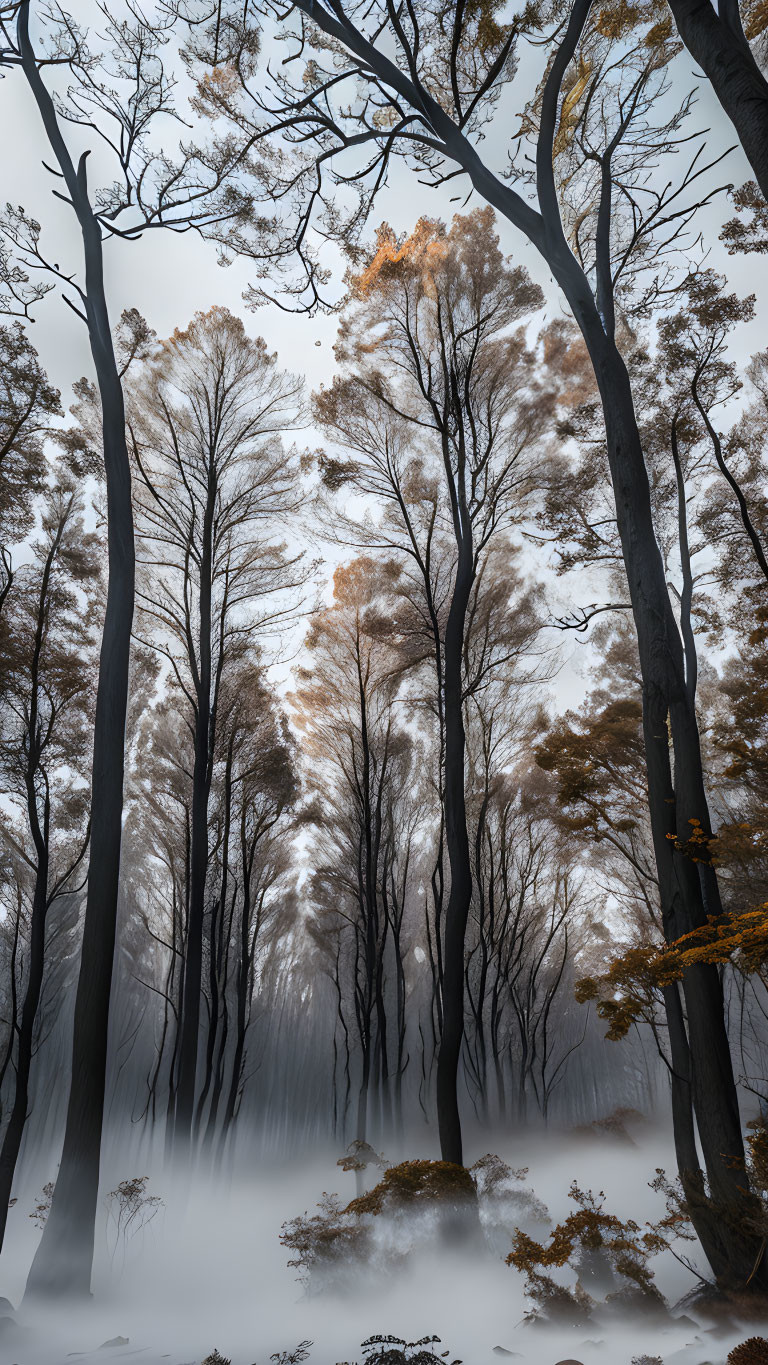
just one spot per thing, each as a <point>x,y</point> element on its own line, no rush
<point>457,842</point>
<point>193,975</point>
<point>214,937</point>
<point>242,986</point>
<point>688,889</point>
<point>64,1258</point>
<point>40,832</point>
<point>715,40</point>
<point>9,1153</point>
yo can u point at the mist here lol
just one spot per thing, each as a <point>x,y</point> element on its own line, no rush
<point>208,1272</point>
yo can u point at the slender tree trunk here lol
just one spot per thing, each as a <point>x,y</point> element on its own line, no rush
<point>688,889</point>
<point>396,925</point>
<point>241,1010</point>
<point>40,832</point>
<point>193,974</point>
<point>9,1152</point>
<point>457,842</point>
<point>369,908</point>
<point>214,936</point>
<point>14,1001</point>
<point>65,1255</point>
<point>218,1081</point>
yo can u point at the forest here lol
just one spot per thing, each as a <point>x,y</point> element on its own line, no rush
<point>384,682</point>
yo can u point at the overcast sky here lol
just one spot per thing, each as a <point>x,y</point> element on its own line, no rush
<point>168,277</point>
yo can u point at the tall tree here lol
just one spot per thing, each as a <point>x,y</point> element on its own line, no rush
<point>438,406</point>
<point>146,188</point>
<point>214,489</point>
<point>47,671</point>
<point>258,792</point>
<point>361,803</point>
<point>27,404</point>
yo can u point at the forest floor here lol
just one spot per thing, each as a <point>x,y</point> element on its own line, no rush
<point>209,1273</point>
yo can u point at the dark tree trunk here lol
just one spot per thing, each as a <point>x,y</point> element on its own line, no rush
<point>65,1255</point>
<point>218,1080</point>
<point>226,918</point>
<point>9,1153</point>
<point>457,843</point>
<point>715,40</point>
<point>14,1001</point>
<point>369,908</point>
<point>214,959</point>
<point>676,792</point>
<point>242,986</point>
<point>40,832</point>
<point>193,975</point>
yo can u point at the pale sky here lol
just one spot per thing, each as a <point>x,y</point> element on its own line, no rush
<point>168,277</point>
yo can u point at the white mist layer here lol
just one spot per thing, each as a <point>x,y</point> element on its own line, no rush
<point>209,1272</point>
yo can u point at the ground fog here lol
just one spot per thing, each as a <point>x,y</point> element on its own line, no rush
<point>208,1272</point>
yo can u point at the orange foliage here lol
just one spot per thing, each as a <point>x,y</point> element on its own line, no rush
<point>629,989</point>
<point>588,1230</point>
<point>420,252</point>
<point>755,18</point>
<point>417,1181</point>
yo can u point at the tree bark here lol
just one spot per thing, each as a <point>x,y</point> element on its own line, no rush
<point>193,975</point>
<point>716,41</point>
<point>64,1258</point>
<point>9,1153</point>
<point>688,889</point>
<point>457,842</point>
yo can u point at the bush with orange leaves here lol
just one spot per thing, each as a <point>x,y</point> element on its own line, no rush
<point>415,1204</point>
<point>587,1235</point>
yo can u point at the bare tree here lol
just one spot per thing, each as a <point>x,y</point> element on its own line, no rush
<point>359,787</point>
<point>440,410</point>
<point>214,489</point>
<point>119,93</point>
<point>47,668</point>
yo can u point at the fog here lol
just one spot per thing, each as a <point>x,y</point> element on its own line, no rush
<point>208,1272</point>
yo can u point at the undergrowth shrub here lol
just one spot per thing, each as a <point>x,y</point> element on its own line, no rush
<point>394,1351</point>
<point>131,1208</point>
<point>42,1208</point>
<point>377,1350</point>
<point>360,1155</point>
<point>380,1350</point>
<point>414,1198</point>
<point>414,1204</point>
<point>614,1253</point>
<point>753,1351</point>
<point>412,1182</point>
<point>326,1241</point>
